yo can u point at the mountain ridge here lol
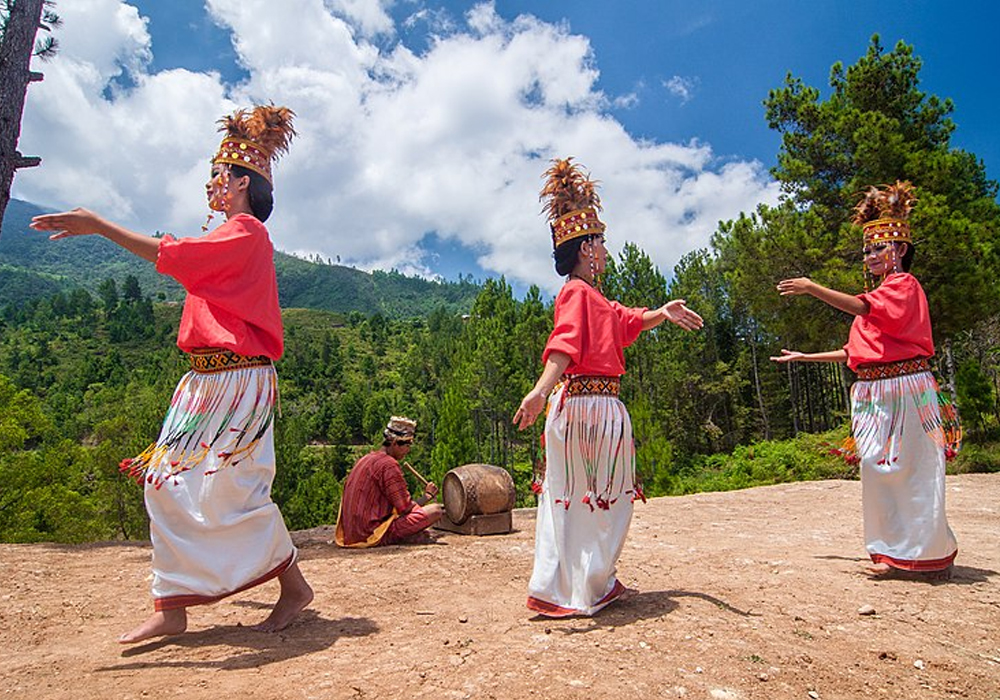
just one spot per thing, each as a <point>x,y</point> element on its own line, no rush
<point>31,267</point>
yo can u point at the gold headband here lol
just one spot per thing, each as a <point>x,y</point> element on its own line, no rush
<point>886,230</point>
<point>575,224</point>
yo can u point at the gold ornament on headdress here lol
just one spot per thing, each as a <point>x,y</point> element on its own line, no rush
<point>256,137</point>
<point>883,213</point>
<point>571,202</point>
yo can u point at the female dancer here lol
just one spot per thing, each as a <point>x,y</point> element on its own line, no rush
<point>214,528</point>
<point>899,434</point>
<point>585,505</point>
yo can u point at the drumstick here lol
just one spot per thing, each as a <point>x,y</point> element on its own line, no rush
<point>416,473</point>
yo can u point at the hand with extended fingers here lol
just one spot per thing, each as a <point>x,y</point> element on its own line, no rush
<point>76,222</point>
<point>797,286</point>
<point>531,406</point>
<point>677,313</point>
<point>789,356</point>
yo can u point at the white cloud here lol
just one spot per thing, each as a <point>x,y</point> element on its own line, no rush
<point>393,145</point>
<point>681,87</point>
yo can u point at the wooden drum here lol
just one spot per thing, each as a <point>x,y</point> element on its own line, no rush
<point>477,489</point>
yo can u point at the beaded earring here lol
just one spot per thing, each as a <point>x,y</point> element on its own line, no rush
<point>219,202</point>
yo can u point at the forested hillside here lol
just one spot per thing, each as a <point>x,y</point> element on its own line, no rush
<point>32,267</point>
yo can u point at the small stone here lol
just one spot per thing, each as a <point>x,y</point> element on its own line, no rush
<point>866,610</point>
<point>643,645</point>
<point>699,669</point>
<point>918,664</point>
<point>763,677</point>
<point>463,619</point>
<point>548,630</point>
<point>814,695</point>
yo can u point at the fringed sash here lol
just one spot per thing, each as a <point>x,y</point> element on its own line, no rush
<point>219,413</point>
<point>874,400</point>
<point>598,438</point>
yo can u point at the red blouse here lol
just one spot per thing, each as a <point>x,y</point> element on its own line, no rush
<point>592,330</point>
<point>232,299</point>
<point>896,327</point>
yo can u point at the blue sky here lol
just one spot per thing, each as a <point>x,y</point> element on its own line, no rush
<point>425,125</point>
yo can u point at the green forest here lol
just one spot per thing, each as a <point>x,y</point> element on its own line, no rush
<point>87,370</point>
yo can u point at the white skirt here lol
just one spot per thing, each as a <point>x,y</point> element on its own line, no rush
<point>900,440</point>
<point>585,507</point>
<point>214,528</point>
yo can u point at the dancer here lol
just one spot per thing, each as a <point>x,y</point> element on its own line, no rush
<point>376,507</point>
<point>585,504</point>
<point>207,479</point>
<point>901,435</point>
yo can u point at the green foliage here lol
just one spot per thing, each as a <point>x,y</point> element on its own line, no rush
<point>976,394</point>
<point>807,457</point>
<point>976,458</point>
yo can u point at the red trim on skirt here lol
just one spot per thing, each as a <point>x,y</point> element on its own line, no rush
<point>175,602</point>
<point>915,564</point>
<point>543,607</point>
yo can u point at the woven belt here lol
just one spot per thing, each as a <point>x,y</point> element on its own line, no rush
<point>207,362</point>
<point>893,369</point>
<point>581,384</point>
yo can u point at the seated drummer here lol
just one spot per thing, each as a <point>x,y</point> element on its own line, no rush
<point>376,507</point>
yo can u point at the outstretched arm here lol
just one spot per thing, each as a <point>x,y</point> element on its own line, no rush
<point>674,311</point>
<point>534,401</point>
<point>796,356</point>
<point>838,300</point>
<point>81,222</point>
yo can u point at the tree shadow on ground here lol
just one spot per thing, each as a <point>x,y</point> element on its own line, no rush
<point>646,605</point>
<point>310,633</point>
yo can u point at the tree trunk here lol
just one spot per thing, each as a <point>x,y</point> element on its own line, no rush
<point>949,373</point>
<point>16,47</point>
<point>760,394</point>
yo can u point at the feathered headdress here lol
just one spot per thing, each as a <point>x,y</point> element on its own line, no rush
<point>255,137</point>
<point>883,213</point>
<point>571,202</point>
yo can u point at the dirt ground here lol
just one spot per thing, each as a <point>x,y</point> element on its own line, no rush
<point>749,594</point>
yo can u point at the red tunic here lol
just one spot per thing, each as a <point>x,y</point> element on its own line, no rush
<point>232,299</point>
<point>374,488</point>
<point>896,327</point>
<point>592,330</point>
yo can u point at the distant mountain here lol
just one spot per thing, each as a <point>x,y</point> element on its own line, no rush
<point>31,266</point>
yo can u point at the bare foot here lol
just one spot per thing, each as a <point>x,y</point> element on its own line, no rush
<point>880,569</point>
<point>158,624</point>
<point>295,595</point>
